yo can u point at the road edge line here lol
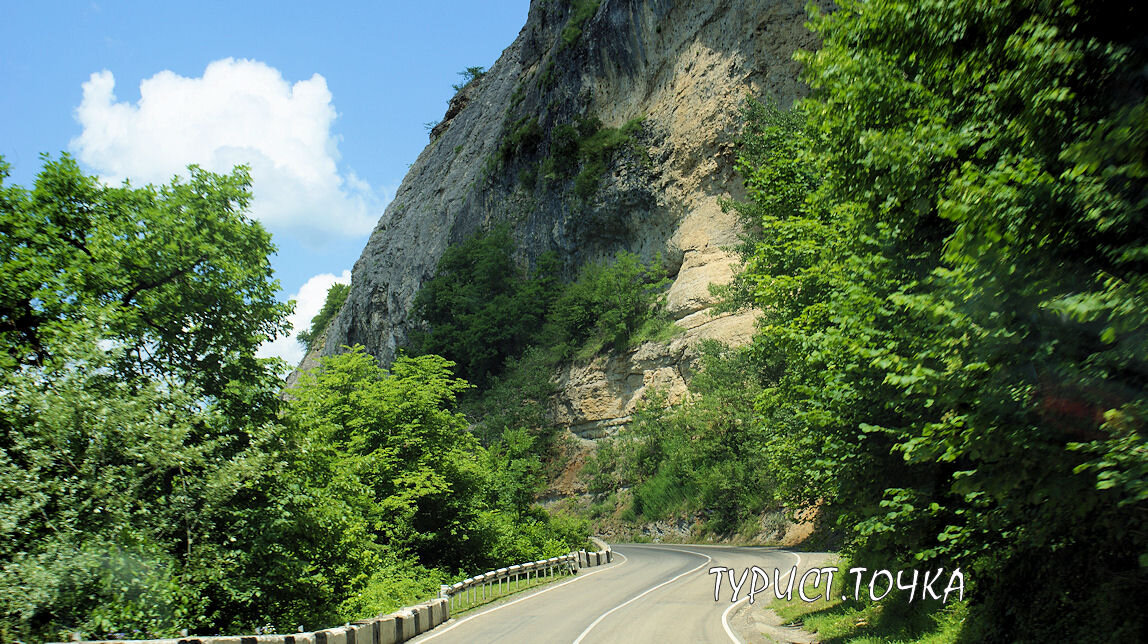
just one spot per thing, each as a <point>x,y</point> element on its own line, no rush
<point>431,634</point>
<point>725,615</point>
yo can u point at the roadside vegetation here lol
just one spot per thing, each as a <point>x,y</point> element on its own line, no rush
<point>701,457</point>
<point>151,478</point>
<point>894,619</point>
<point>946,243</point>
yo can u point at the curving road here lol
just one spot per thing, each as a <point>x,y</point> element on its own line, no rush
<point>650,593</point>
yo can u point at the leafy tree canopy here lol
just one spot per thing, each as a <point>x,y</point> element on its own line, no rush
<point>951,269</point>
<point>178,274</point>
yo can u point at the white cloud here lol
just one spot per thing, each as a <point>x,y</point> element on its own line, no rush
<point>308,301</point>
<point>239,111</point>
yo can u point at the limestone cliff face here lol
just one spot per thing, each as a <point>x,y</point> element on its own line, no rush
<point>686,68</point>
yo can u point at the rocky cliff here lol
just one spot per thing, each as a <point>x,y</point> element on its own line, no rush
<point>675,74</point>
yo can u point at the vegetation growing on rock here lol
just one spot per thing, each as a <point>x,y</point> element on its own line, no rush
<point>336,295</point>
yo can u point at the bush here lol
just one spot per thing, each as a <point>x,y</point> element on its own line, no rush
<point>586,146</point>
<point>480,308</point>
<point>336,296</point>
<point>582,11</point>
<point>707,455</point>
<point>605,306</point>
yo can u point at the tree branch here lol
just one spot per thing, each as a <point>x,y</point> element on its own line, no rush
<point>131,295</point>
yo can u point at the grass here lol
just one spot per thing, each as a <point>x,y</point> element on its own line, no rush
<point>655,329</point>
<point>495,592</point>
<point>893,619</point>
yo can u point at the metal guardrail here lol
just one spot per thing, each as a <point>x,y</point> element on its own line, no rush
<point>491,584</point>
<point>408,622</point>
<point>499,582</point>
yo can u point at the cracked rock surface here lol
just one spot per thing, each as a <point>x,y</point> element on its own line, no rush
<point>686,68</point>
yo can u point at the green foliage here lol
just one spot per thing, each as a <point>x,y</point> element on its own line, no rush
<point>482,310</point>
<point>336,296</point>
<point>389,448</point>
<point>139,497</point>
<point>581,11</point>
<point>469,75</point>
<point>893,619</point>
<point>133,405</point>
<point>79,467</point>
<point>525,135</point>
<point>584,148</point>
<point>605,306</point>
<point>178,274</point>
<point>516,398</point>
<point>384,475</point>
<point>703,455</point>
<point>480,307</point>
<point>589,178</point>
<point>391,586</point>
<point>953,286</point>
<point>778,178</point>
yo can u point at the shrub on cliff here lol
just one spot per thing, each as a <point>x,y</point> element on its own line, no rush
<point>481,307</point>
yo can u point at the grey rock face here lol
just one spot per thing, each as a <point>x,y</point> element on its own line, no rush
<point>684,66</point>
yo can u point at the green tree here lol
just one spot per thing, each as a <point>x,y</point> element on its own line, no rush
<point>134,412</point>
<point>179,274</point>
<point>336,296</point>
<point>395,438</point>
<point>955,309</point>
<point>420,486</point>
<point>605,306</point>
<point>481,307</point>
<point>94,500</point>
<point>469,75</point>
<point>702,456</point>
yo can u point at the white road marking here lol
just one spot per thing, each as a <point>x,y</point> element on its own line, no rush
<point>725,615</point>
<point>430,635</point>
<point>648,591</point>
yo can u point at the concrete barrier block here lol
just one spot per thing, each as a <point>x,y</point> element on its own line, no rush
<point>423,613</point>
<point>332,636</point>
<point>405,624</point>
<point>443,611</point>
<point>388,630</point>
<point>362,632</point>
<point>263,639</point>
<point>299,638</point>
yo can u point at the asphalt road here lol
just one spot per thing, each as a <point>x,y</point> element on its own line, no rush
<point>650,593</point>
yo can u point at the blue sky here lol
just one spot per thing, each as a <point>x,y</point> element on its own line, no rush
<point>327,103</point>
